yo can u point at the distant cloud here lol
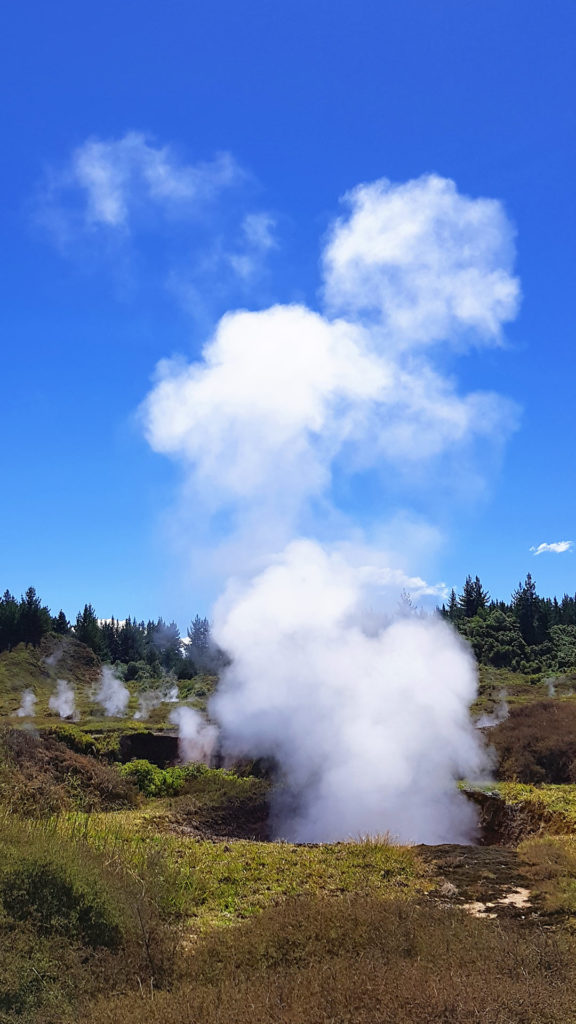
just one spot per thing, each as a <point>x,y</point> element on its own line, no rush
<point>257,238</point>
<point>557,547</point>
<point>140,207</point>
<point>107,181</point>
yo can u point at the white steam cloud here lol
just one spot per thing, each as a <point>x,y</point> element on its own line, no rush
<point>370,730</point>
<point>112,694</point>
<point>28,702</point>
<point>197,739</point>
<point>367,717</point>
<point>63,701</point>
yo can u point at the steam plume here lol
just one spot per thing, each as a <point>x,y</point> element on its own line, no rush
<point>112,694</point>
<point>62,701</point>
<point>196,737</point>
<point>26,709</point>
<point>366,715</point>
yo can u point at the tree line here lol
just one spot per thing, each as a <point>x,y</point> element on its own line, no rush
<point>151,647</point>
<point>529,633</point>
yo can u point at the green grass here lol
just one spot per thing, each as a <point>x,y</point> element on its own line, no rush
<point>519,688</point>
<point>216,883</point>
<point>557,800</point>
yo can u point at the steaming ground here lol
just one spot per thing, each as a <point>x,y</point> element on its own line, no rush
<point>367,717</point>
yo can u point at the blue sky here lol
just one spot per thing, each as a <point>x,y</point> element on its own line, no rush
<point>309,99</point>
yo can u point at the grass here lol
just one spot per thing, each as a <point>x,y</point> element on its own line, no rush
<point>210,883</point>
<point>26,668</point>
<point>557,800</point>
<point>363,960</point>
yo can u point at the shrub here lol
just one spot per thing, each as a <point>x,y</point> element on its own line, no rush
<point>362,959</point>
<point>537,743</point>
<point>54,899</point>
<point>153,781</point>
<point>42,776</point>
<point>73,738</point>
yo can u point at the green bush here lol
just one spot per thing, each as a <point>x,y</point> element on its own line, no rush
<point>74,738</point>
<point>50,895</point>
<point>154,781</point>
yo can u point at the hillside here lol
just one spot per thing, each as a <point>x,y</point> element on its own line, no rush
<point>133,892</point>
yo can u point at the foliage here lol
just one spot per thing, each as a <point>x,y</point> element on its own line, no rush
<point>40,776</point>
<point>528,633</point>
<point>363,959</point>
<point>153,781</point>
<point>537,743</point>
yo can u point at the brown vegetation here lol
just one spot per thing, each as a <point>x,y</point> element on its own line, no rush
<point>537,743</point>
<point>40,775</point>
<point>367,961</point>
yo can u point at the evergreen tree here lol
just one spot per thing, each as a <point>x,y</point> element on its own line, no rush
<point>109,633</point>
<point>467,599</point>
<point>132,641</point>
<point>481,596</point>
<point>34,620</point>
<point>165,641</point>
<point>8,621</point>
<point>453,610</point>
<point>199,649</point>
<point>524,606</point>
<point>60,624</point>
<point>87,629</point>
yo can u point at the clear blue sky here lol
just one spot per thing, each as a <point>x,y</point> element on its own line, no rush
<point>310,98</point>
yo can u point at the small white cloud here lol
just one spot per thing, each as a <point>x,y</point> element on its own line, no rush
<point>557,547</point>
<point>107,180</point>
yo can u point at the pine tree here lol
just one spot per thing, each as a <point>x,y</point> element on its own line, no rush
<point>60,624</point>
<point>453,611</point>
<point>34,620</point>
<point>8,621</point>
<point>481,596</point>
<point>524,606</point>
<point>87,629</point>
<point>467,599</point>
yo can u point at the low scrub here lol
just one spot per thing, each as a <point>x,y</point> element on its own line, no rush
<point>537,743</point>
<point>156,782</point>
<point>361,959</point>
<point>41,776</point>
<point>73,923</point>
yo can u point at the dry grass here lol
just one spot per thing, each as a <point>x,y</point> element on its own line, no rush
<point>537,743</point>
<point>39,776</point>
<point>362,960</point>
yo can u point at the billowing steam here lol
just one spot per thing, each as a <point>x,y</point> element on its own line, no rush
<point>63,701</point>
<point>370,729</point>
<point>295,427</point>
<point>26,709</point>
<point>196,738</point>
<point>112,694</point>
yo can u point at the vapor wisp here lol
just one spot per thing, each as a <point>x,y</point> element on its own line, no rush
<point>27,705</point>
<point>112,694</point>
<point>63,701</point>
<point>197,738</point>
<point>292,414</point>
